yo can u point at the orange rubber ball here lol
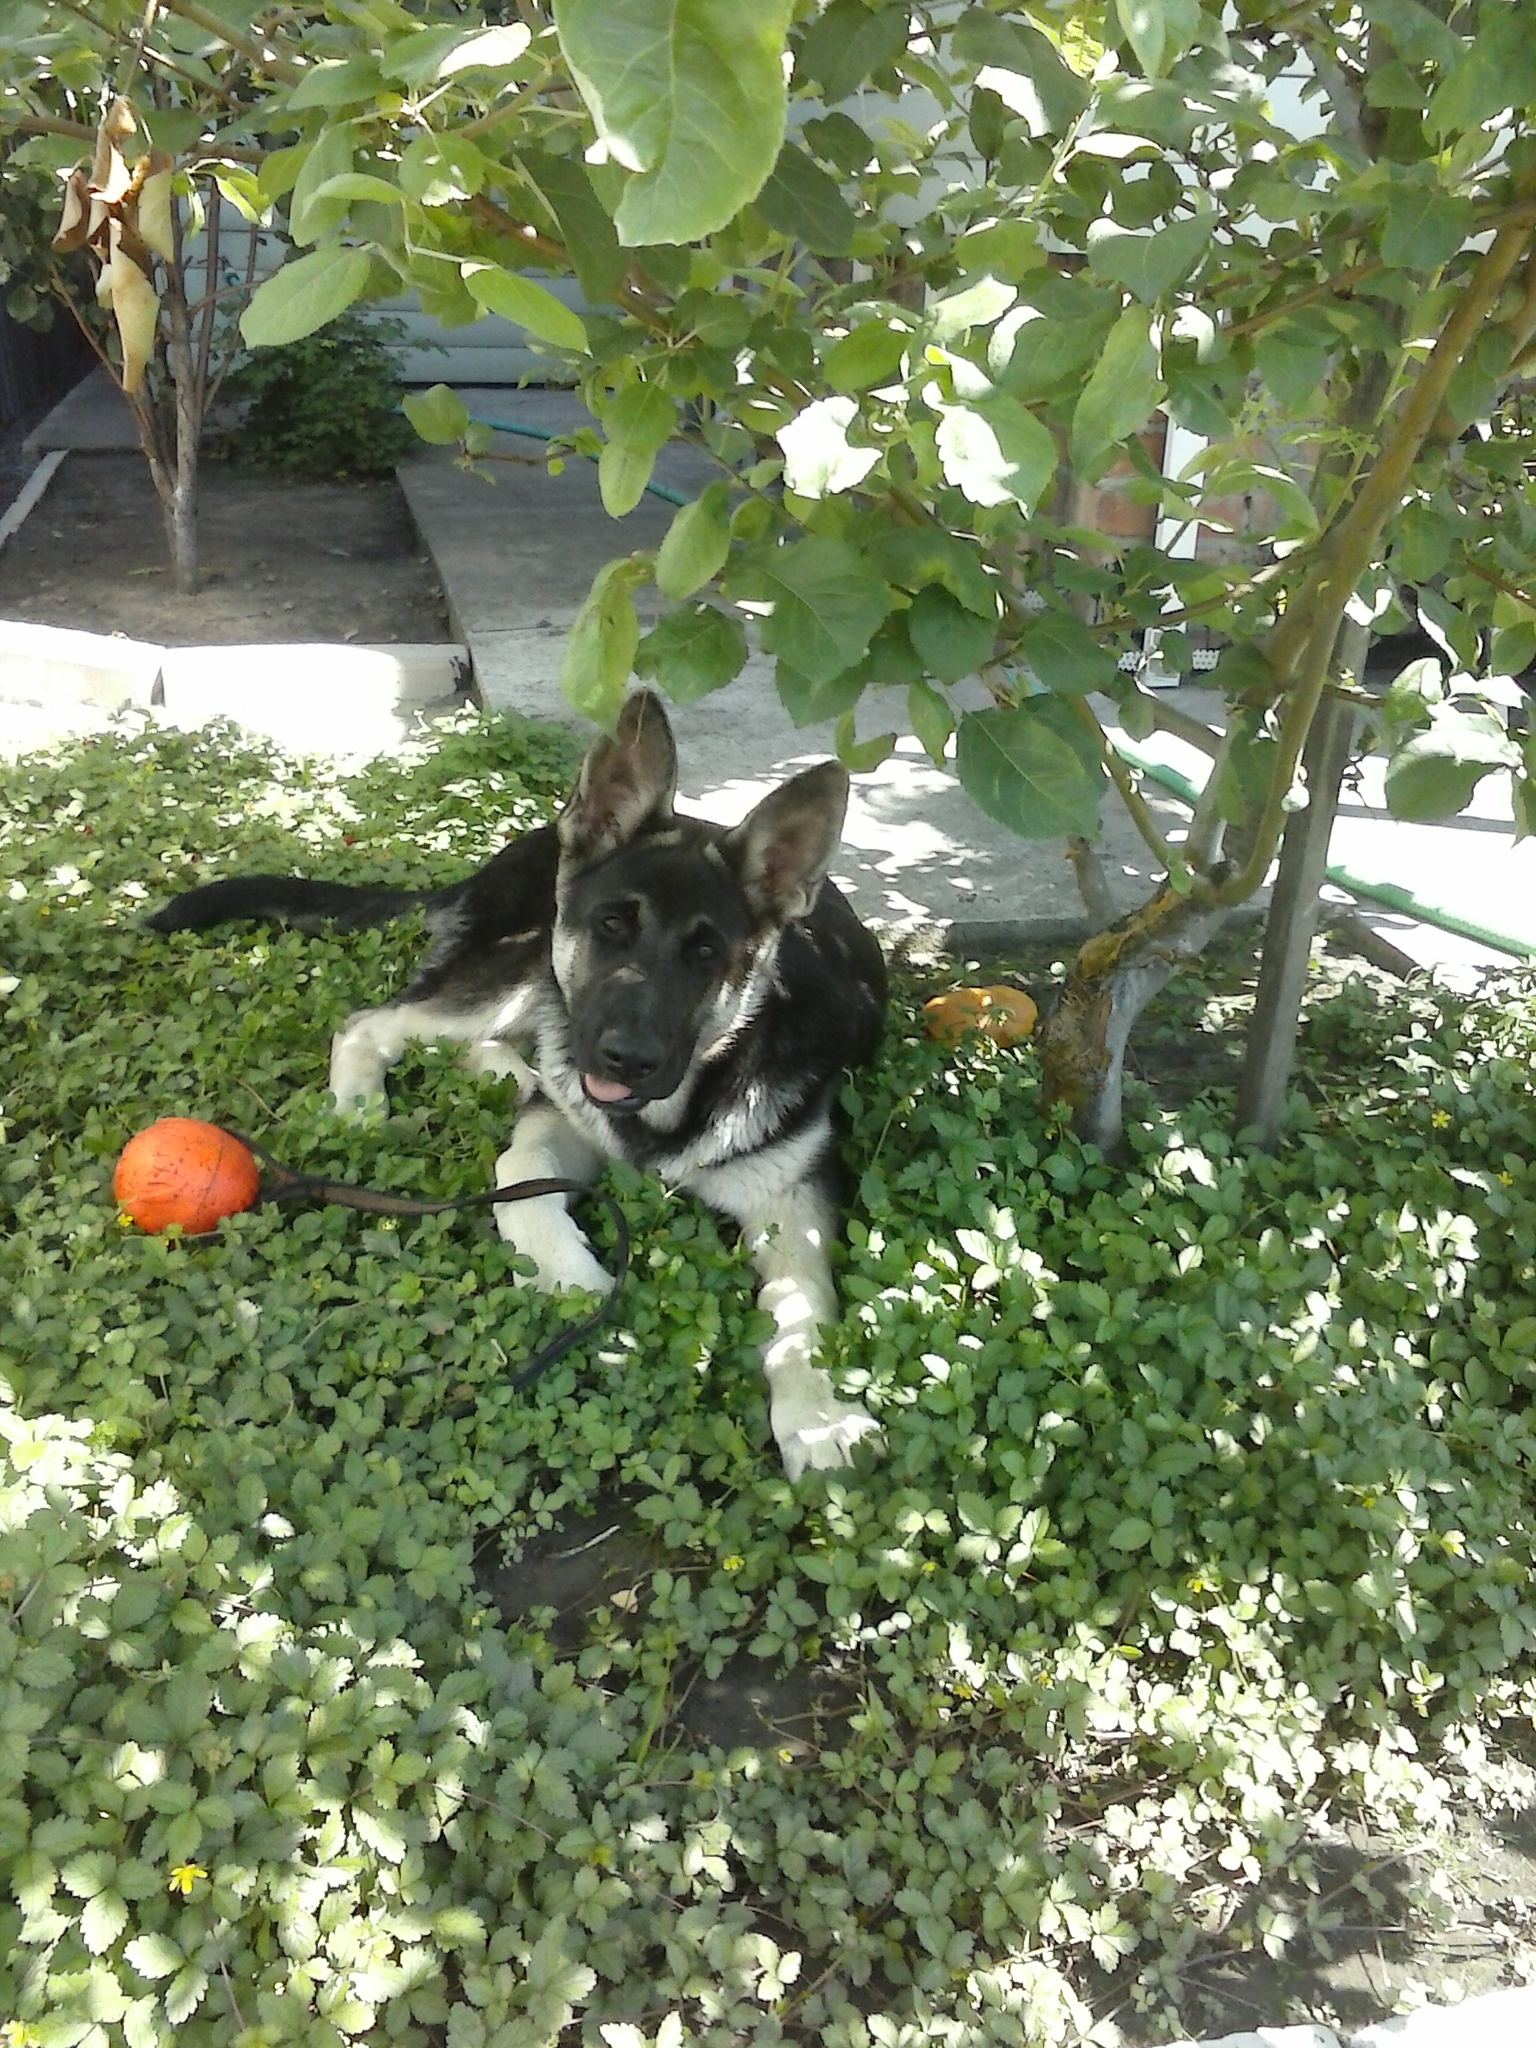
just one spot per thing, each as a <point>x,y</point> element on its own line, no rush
<point>186,1172</point>
<point>1005,1015</point>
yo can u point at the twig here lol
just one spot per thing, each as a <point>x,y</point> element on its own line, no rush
<point>135,50</point>
<point>1092,883</point>
<point>1130,794</point>
<point>231,38</point>
<point>1509,589</point>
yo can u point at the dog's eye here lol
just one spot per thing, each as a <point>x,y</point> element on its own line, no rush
<point>614,925</point>
<point>703,948</point>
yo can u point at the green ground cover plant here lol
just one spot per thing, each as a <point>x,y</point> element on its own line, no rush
<point>1205,1522</point>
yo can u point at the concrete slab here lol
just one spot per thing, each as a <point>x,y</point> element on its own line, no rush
<point>1497,2019</point>
<point>55,666</point>
<point>94,415</point>
<point>347,703</point>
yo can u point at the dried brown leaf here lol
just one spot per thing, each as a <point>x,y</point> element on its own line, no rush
<point>136,309</point>
<point>152,215</point>
<point>74,228</point>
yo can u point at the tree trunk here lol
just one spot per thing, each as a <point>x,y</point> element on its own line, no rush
<point>1291,923</point>
<point>1112,980</point>
<point>181,361</point>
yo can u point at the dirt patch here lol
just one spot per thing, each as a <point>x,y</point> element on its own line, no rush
<point>593,1571</point>
<point>281,560</point>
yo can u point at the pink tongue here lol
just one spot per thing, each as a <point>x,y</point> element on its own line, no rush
<point>604,1091</point>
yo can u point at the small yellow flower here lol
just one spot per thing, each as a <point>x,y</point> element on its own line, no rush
<point>183,1877</point>
<point>732,1564</point>
<point>1440,1118</point>
<point>1505,1180</point>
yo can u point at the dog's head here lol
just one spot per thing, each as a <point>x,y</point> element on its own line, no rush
<point>665,923</point>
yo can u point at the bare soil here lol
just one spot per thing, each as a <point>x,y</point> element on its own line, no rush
<point>280,560</point>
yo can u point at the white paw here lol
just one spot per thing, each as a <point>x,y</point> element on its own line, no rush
<point>560,1253</point>
<point>821,1435</point>
<point>575,1267</point>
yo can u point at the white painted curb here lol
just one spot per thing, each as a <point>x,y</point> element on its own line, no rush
<point>1497,2019</point>
<point>348,703</point>
<point>345,702</point>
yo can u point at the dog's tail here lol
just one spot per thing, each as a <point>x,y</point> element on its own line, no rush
<point>285,899</point>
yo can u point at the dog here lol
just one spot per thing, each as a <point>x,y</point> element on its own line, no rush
<point>666,991</point>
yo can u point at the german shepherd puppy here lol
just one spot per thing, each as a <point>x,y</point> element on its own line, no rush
<point>666,991</point>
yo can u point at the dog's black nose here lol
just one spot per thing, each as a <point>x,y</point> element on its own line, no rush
<point>626,1056</point>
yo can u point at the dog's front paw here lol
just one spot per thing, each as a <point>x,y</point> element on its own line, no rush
<point>561,1255</point>
<point>572,1266</point>
<point>819,1433</point>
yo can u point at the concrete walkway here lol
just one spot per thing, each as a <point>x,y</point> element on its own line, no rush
<point>516,551</point>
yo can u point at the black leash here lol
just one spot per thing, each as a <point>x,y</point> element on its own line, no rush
<point>283,1185</point>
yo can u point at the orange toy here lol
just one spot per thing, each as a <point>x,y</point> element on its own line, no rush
<point>1003,1014</point>
<point>186,1172</point>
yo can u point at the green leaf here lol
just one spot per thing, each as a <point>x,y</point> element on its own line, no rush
<point>692,652</point>
<point>337,82</point>
<point>518,298</point>
<point>1031,769</point>
<point>1414,31</point>
<point>860,756</point>
<point>103,1919</point>
<point>1008,249</point>
<point>440,170</point>
<point>638,423</point>
<point>242,188</point>
<point>1497,70</point>
<point>185,1994</point>
<point>851,41</point>
<point>1015,52</point>
<point>586,230</point>
<point>355,185</point>
<point>1424,227</point>
<point>1122,392</point>
<point>1159,31</point>
<point>689,96</point>
<point>600,650</point>
<point>305,294</point>
<point>1434,774</point>
<point>309,216</point>
<point>994,449</point>
<point>1293,365</point>
<point>976,305</point>
<point>154,1956</point>
<point>439,415</point>
<point>415,59</point>
<point>801,201</point>
<point>813,703</point>
<point>1149,265</point>
<point>697,543</point>
<point>1298,516</point>
<point>914,555</point>
<point>866,355</point>
<point>1134,1533</point>
<point>931,719</point>
<point>828,600</point>
<point>952,641</point>
<point>1063,654</point>
<point>186,1703</point>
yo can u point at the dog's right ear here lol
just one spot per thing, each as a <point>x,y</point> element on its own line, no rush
<point>624,781</point>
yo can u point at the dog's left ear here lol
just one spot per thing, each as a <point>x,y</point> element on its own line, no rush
<point>623,782</point>
<point>781,851</point>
